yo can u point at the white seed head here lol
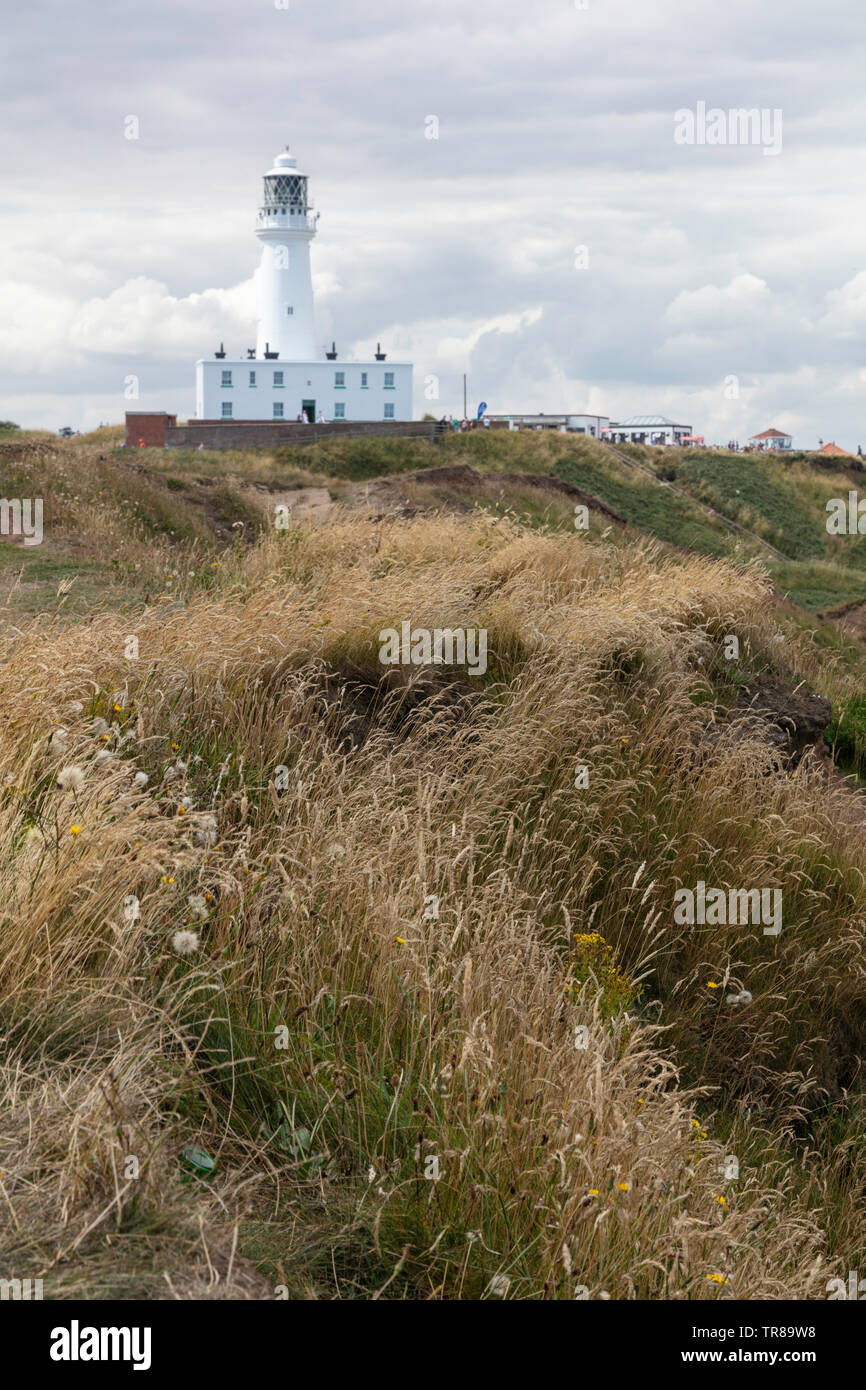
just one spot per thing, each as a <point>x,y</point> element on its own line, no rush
<point>186,943</point>
<point>70,779</point>
<point>206,831</point>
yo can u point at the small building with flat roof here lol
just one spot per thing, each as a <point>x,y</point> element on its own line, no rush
<point>574,424</point>
<point>647,429</point>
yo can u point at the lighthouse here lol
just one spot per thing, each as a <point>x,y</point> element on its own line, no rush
<point>288,376</point>
<point>286,226</point>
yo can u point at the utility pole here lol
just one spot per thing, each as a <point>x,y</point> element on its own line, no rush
<point>465,407</point>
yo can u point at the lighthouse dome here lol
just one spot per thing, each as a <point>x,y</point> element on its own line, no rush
<point>285,163</point>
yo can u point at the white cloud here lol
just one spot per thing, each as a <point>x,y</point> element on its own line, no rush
<point>713,306</point>
<point>846,309</point>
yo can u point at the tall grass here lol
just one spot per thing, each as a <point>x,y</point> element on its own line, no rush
<point>438,1028</point>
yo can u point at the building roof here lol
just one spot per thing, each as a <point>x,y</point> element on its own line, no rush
<point>834,449</point>
<point>772,434</point>
<point>285,163</point>
<point>649,422</point>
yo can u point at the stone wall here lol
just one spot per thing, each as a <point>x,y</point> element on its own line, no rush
<point>264,434</point>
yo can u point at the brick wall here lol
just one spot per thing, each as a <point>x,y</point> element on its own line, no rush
<point>263,434</point>
<point>148,428</point>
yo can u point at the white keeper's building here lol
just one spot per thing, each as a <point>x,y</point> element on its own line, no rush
<point>284,377</point>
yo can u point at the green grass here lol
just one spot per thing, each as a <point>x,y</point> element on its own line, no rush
<point>649,507</point>
<point>817,584</point>
<point>29,580</point>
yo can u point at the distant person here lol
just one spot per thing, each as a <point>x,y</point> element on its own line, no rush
<point>320,418</point>
<point>486,423</point>
<point>859,452</point>
<point>301,417</point>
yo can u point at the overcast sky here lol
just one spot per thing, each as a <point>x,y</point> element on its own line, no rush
<point>556,241</point>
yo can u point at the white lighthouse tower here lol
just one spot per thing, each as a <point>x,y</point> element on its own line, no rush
<point>287,378</point>
<point>286,226</point>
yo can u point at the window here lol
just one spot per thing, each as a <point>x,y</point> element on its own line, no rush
<point>340,381</point>
<point>252,378</point>
<point>340,410</point>
<point>389,411</point>
<point>290,309</point>
<point>286,192</point>
<point>226,379</point>
<point>364,386</point>
<point>278,379</point>
<point>227,410</point>
<point>389,381</point>
<point>278,410</point>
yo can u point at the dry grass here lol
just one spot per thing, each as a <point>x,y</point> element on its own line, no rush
<point>333,1041</point>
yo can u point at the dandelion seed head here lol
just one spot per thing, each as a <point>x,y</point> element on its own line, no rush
<point>185,943</point>
<point>499,1285</point>
<point>70,779</point>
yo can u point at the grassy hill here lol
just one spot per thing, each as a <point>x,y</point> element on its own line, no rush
<point>393,950</point>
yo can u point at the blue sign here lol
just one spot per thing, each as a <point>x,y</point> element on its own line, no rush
<point>481,409</point>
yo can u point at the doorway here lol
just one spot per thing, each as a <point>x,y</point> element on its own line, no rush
<point>308,409</point>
